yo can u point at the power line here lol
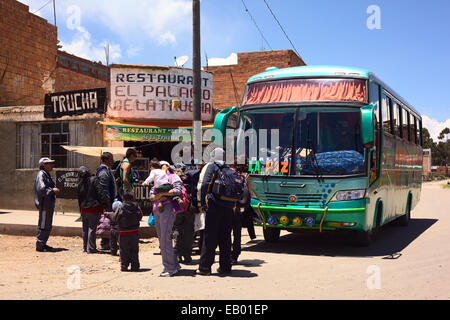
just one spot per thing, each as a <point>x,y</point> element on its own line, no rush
<point>256,25</point>
<point>282,29</point>
<point>48,2</point>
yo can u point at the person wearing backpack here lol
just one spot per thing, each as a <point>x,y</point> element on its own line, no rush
<point>91,201</point>
<point>220,189</point>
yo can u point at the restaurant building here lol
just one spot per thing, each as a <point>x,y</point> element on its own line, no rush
<point>88,104</point>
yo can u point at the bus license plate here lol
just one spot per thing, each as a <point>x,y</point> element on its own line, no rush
<point>309,221</point>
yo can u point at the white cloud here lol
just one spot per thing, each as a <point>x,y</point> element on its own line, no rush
<point>434,126</point>
<point>81,45</point>
<point>231,59</point>
<point>160,20</point>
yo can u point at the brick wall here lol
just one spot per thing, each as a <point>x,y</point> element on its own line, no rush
<point>75,73</point>
<point>249,64</point>
<point>27,55</point>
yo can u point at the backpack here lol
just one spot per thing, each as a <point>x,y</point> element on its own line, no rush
<point>228,185</point>
<point>183,196</point>
<point>190,182</point>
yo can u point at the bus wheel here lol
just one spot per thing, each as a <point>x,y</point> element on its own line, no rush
<point>403,221</point>
<point>271,234</point>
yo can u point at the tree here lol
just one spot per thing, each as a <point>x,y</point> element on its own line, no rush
<point>443,133</point>
<point>428,142</point>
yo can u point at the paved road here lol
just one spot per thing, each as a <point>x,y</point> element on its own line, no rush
<point>403,263</point>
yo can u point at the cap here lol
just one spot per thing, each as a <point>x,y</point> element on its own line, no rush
<point>45,160</point>
<point>164,163</point>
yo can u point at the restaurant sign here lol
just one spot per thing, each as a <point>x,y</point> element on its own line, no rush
<point>78,102</point>
<point>157,92</point>
<point>135,133</point>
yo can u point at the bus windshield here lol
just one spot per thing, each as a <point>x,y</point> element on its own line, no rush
<point>326,141</point>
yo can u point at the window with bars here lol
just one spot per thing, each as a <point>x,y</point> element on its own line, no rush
<point>37,140</point>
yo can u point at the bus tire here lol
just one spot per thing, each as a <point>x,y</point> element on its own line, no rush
<point>403,221</point>
<point>271,234</point>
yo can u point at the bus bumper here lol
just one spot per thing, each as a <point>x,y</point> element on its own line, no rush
<point>322,219</point>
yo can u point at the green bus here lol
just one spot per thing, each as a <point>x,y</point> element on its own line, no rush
<point>344,150</point>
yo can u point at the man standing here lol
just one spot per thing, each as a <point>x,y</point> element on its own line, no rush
<point>108,184</point>
<point>44,198</point>
<point>219,216</point>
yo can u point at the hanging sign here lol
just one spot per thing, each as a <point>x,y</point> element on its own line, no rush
<point>72,103</point>
<point>152,92</point>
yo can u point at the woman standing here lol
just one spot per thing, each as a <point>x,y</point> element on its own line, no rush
<point>164,222</point>
<point>91,200</point>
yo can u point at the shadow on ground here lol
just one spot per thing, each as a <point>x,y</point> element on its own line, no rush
<point>389,242</point>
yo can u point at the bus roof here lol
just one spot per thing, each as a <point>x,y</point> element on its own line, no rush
<point>274,73</point>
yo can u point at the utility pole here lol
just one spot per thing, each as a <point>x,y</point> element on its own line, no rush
<point>54,12</point>
<point>196,90</point>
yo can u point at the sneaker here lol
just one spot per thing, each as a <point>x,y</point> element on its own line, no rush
<point>203,272</point>
<point>123,268</point>
<point>168,273</point>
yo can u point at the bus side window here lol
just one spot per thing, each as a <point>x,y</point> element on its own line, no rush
<point>386,114</point>
<point>417,132</point>
<point>396,118</point>
<point>412,130</point>
<point>405,124</point>
<point>420,133</point>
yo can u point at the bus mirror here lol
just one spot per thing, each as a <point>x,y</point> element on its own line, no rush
<point>220,123</point>
<point>367,126</point>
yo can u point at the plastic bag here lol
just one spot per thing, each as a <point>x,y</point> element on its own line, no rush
<point>151,220</point>
<point>199,221</point>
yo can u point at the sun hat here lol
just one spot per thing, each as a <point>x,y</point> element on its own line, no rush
<point>43,161</point>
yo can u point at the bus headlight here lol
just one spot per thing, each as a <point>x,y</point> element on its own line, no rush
<point>349,195</point>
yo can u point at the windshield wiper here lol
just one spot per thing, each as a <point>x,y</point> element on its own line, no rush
<point>312,156</point>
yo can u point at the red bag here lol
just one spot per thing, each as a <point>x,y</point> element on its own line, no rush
<point>104,227</point>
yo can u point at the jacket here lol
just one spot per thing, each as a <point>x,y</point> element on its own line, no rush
<point>90,193</point>
<point>108,184</point>
<point>44,196</point>
<point>128,216</point>
<point>205,184</point>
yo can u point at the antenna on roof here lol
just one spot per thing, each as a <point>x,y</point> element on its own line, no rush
<point>107,54</point>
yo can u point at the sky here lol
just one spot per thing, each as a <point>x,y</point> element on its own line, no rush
<point>405,43</point>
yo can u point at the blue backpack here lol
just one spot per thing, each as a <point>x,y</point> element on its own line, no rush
<point>228,185</point>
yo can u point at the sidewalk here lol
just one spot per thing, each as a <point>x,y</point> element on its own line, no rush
<point>24,223</point>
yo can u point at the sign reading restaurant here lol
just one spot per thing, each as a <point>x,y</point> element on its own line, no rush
<point>75,103</point>
<point>156,92</point>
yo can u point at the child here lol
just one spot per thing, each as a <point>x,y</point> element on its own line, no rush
<point>160,179</point>
<point>127,217</point>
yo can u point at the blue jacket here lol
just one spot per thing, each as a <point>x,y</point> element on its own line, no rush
<point>44,196</point>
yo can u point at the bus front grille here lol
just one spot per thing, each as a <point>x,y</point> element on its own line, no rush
<point>310,199</point>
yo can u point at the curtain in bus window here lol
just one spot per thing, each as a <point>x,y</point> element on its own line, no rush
<point>306,90</point>
<point>396,118</point>
<point>386,114</point>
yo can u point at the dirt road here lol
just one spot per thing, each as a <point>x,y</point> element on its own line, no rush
<point>403,263</point>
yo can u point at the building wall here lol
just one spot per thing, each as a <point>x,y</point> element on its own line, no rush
<point>16,185</point>
<point>75,73</point>
<point>27,55</point>
<point>229,81</point>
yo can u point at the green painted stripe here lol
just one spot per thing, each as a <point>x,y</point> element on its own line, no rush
<point>309,210</point>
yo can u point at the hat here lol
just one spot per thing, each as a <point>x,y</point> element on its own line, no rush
<point>83,172</point>
<point>162,163</point>
<point>45,160</point>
